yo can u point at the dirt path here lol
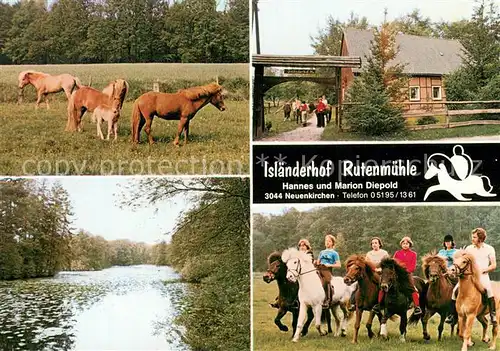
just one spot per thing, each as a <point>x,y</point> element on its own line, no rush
<point>307,133</point>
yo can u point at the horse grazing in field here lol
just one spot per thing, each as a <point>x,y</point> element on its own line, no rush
<point>88,99</point>
<point>311,293</point>
<point>288,299</point>
<point>362,271</point>
<point>46,84</point>
<point>469,301</point>
<point>438,297</point>
<point>181,106</point>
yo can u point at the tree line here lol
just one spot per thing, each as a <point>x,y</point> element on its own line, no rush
<point>210,247</point>
<point>36,239</point>
<point>114,31</point>
<point>355,226</point>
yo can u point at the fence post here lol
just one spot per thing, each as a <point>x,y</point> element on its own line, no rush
<point>447,116</point>
<point>156,86</point>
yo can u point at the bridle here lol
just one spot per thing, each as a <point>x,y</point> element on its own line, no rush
<point>462,271</point>
<point>297,271</point>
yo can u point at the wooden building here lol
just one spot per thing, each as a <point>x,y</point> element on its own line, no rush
<point>426,61</point>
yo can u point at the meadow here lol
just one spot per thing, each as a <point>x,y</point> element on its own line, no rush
<point>267,337</point>
<point>33,142</point>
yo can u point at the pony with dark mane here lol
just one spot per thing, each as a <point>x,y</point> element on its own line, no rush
<point>359,269</point>
<point>46,84</point>
<point>438,297</point>
<point>181,106</point>
<point>469,301</point>
<point>288,300</point>
<point>398,286</point>
<point>88,99</point>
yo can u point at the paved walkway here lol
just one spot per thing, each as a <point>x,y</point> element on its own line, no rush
<point>307,133</point>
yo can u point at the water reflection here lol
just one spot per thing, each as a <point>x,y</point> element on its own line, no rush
<point>121,308</point>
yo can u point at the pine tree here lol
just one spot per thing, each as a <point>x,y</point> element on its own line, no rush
<point>380,85</point>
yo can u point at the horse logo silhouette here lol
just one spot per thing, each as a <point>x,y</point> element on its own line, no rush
<point>461,180</point>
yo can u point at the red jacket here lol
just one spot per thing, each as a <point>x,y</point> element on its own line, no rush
<point>321,107</point>
<point>408,258</point>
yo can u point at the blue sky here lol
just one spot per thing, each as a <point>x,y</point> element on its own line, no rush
<point>286,25</point>
<point>95,202</point>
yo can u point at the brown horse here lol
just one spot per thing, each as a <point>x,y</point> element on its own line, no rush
<point>469,301</point>
<point>181,106</point>
<point>440,288</point>
<point>88,99</point>
<point>46,84</point>
<point>361,270</point>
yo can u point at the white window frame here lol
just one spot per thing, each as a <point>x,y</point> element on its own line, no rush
<point>440,92</point>
<point>418,93</point>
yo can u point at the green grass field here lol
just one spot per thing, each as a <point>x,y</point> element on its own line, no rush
<point>33,142</point>
<point>267,337</point>
<point>278,124</point>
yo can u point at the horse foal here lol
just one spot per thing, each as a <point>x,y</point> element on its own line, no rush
<point>107,113</point>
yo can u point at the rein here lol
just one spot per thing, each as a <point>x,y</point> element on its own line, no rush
<point>462,271</point>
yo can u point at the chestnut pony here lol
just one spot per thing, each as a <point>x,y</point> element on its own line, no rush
<point>88,99</point>
<point>361,270</point>
<point>181,106</point>
<point>438,297</point>
<point>46,84</point>
<point>469,299</point>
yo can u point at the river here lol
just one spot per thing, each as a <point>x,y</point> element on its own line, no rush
<point>119,308</point>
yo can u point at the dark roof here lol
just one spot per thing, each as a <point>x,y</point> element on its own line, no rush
<point>422,55</point>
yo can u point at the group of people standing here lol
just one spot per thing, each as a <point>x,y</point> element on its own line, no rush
<point>323,113</point>
<point>483,253</point>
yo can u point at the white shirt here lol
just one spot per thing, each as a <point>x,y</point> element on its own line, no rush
<point>483,255</point>
<point>376,256</point>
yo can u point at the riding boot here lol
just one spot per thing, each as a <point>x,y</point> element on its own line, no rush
<point>380,297</point>
<point>326,303</point>
<point>453,316</point>
<point>493,313</point>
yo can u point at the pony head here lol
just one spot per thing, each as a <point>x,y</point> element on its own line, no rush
<point>433,266</point>
<point>357,266</point>
<point>464,263</point>
<point>217,98</point>
<point>293,259</point>
<point>274,263</point>
<point>24,79</point>
<point>393,273</point>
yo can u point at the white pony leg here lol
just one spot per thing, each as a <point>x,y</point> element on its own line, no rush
<point>110,127</point>
<point>383,330</point>
<point>432,189</point>
<point>99,131</point>
<point>300,321</point>
<point>318,309</point>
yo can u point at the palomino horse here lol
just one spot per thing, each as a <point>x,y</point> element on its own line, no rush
<point>359,269</point>
<point>398,286</point>
<point>469,301</point>
<point>288,299</point>
<point>46,84</point>
<point>311,293</point>
<point>110,114</point>
<point>88,99</point>
<point>440,288</point>
<point>181,106</point>
<point>470,184</point>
